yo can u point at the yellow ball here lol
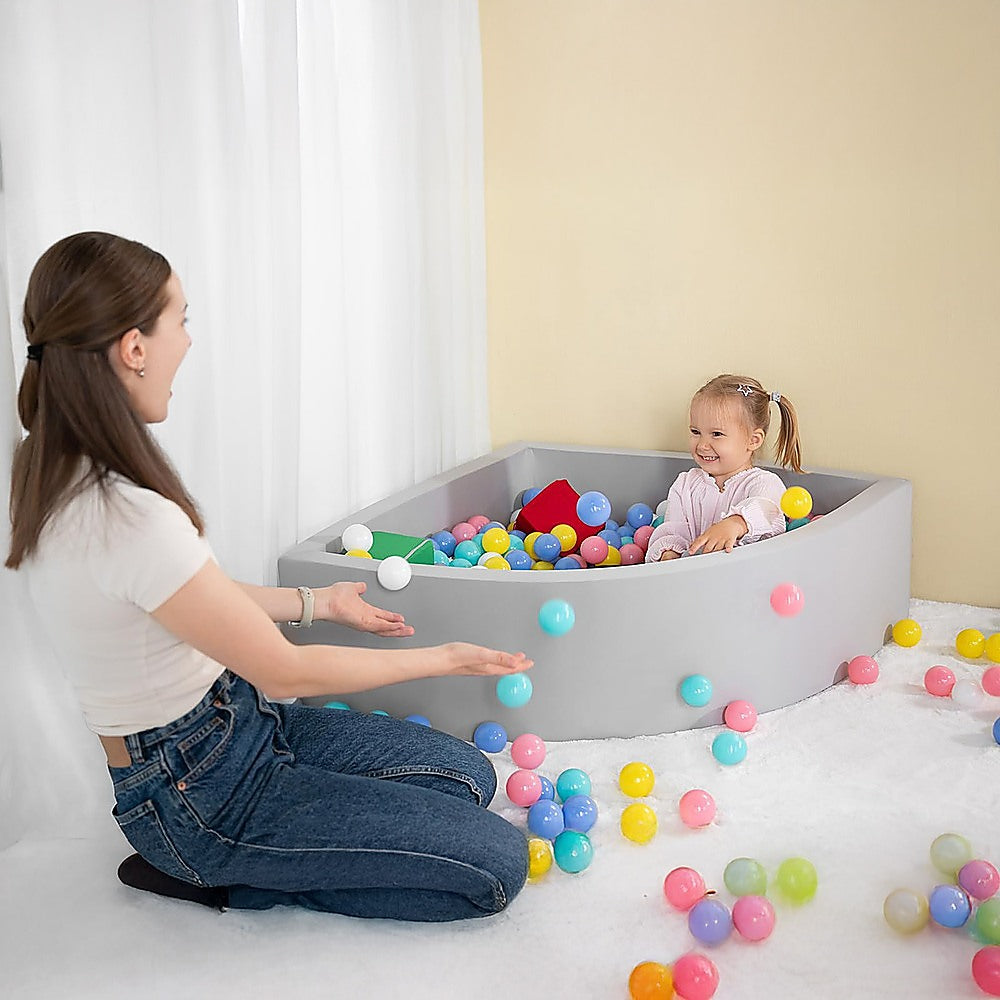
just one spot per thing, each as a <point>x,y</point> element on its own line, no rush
<point>906,632</point>
<point>992,647</point>
<point>639,823</point>
<point>496,540</point>
<point>636,779</point>
<point>796,501</point>
<point>539,857</point>
<point>529,543</point>
<point>496,562</point>
<point>566,536</point>
<point>970,642</point>
<point>358,553</point>
<point>613,558</point>
<point>542,564</point>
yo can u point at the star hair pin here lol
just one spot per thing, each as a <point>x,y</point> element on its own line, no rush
<point>744,388</point>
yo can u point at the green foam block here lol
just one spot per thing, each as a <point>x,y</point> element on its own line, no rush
<point>411,548</point>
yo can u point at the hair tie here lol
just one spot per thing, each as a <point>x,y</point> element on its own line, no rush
<point>775,397</point>
<point>35,352</point>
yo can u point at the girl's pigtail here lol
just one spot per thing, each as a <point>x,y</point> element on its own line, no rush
<point>787,448</point>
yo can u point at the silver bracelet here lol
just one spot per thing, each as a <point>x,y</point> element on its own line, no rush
<point>308,603</point>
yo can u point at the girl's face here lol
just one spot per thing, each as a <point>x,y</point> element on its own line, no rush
<point>720,442</point>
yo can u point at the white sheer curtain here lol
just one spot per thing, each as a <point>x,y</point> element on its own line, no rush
<point>313,171</point>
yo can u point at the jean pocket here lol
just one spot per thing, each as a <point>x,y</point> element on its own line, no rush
<point>203,748</point>
<point>146,833</point>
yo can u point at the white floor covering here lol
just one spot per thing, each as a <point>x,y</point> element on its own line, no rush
<point>858,780</point>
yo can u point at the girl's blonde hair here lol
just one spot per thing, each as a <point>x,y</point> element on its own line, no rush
<point>753,401</point>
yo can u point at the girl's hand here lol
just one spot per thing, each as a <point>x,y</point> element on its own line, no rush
<point>669,554</point>
<point>342,603</point>
<point>464,659</point>
<point>723,535</point>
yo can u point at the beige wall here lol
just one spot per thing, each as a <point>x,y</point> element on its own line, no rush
<point>807,192</point>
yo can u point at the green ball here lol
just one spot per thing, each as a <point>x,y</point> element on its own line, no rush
<point>571,782</point>
<point>797,879</point>
<point>745,877</point>
<point>573,851</point>
<point>988,920</point>
<point>949,852</point>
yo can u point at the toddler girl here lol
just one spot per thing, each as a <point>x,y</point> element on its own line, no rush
<point>726,501</point>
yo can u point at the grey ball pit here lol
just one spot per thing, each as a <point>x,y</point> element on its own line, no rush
<point>639,629</point>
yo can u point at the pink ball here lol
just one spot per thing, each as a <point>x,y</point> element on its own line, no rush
<point>939,681</point>
<point>979,879</point>
<point>991,681</point>
<point>697,808</point>
<point>985,970</point>
<point>740,716</point>
<point>683,887</point>
<point>862,670</point>
<point>478,521</point>
<point>524,788</point>
<point>696,977</point>
<point>594,549</point>
<point>787,600</point>
<point>578,558</point>
<point>463,531</point>
<point>641,536</point>
<point>528,750</point>
<point>631,554</point>
<point>753,917</point>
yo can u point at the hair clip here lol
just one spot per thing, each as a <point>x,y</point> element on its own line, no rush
<point>744,388</point>
<point>775,397</point>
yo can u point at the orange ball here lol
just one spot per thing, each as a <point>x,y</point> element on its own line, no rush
<point>651,981</point>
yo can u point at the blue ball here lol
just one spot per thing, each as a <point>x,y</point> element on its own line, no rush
<point>470,550</point>
<point>547,547</point>
<point>445,541</point>
<point>441,558</point>
<point>572,782</point>
<point>342,705</point>
<point>579,813</point>
<point>529,494</point>
<point>459,563</point>
<point>518,559</point>
<point>556,617</point>
<point>593,508</point>
<point>710,921</point>
<point>420,720</point>
<point>490,737</point>
<point>518,533</point>
<point>611,537</point>
<point>514,690</point>
<point>996,730</point>
<point>566,562</point>
<point>493,524</point>
<point>612,524</point>
<point>729,748</point>
<point>950,906</point>
<point>545,818</point>
<point>796,522</point>
<point>696,690</point>
<point>548,789</point>
<point>639,514</point>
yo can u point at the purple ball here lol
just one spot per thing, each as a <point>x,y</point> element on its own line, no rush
<point>710,921</point>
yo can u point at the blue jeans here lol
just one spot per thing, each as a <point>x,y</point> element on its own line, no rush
<point>333,810</point>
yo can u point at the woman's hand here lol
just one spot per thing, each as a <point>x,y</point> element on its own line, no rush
<point>342,603</point>
<point>465,659</point>
<point>723,535</point>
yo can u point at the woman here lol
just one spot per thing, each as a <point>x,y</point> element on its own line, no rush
<point>229,799</point>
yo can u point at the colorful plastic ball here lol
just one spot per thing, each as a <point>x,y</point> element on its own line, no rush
<point>469,549</point>
<point>636,779</point>
<point>545,819</point>
<point>641,536</point>
<point>380,711</point>
<point>639,515</point>
<point>518,559</point>
<point>753,917</point>
<point>797,522</point>
<point>573,851</point>
<point>548,789</point>
<point>357,536</point>
<point>949,852</point>
<point>787,600</point>
<point>446,542</point>
<point>463,531</point>
<point>566,562</point>
<point>556,617</point>
<point>514,690</point>
<point>440,559</point>
<point>740,716</point>
<point>496,540</point>
<point>527,751</point>
<point>358,553</point>
<point>394,572</point>
<point>697,808</point>
<point>418,720</point>
<point>729,748</point>
<point>529,543</point>
<point>991,681</point>
<point>970,642</point>
<point>639,823</point>
<point>992,648</point>
<point>613,558</point>
<point>340,705</point>
<point>542,564</point>
<point>696,690</point>
<point>539,857</point>
<point>631,554</point>
<point>939,681</point>
<point>579,813</point>
<point>516,540</point>
<point>967,693</point>
<point>491,560</point>
<point>988,920</point>
<point>979,879</point>
<point>651,981</point>
<point>459,563</point>
<point>986,970</point>
<point>906,632</point>
<point>523,788</point>
<point>657,521</point>
<point>479,521</point>
<point>612,524</point>
<point>613,538</point>
<point>594,549</point>
<point>566,535</point>
<point>529,494</point>
<point>683,887</point>
<point>593,508</point>
<point>710,921</point>
<point>949,905</point>
<point>572,782</point>
<point>996,731</point>
<point>906,911</point>
<point>745,877</point>
<point>695,977</point>
<point>862,670</point>
<point>797,879</point>
<point>796,501</point>
<point>547,547</point>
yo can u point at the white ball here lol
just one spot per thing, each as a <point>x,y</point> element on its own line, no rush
<point>357,536</point>
<point>661,508</point>
<point>394,572</point>
<point>966,693</point>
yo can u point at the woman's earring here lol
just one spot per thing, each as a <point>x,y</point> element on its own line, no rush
<point>141,373</point>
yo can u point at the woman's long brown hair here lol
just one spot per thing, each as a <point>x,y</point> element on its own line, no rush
<point>84,293</point>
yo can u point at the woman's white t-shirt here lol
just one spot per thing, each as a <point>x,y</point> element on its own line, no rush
<point>103,563</point>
